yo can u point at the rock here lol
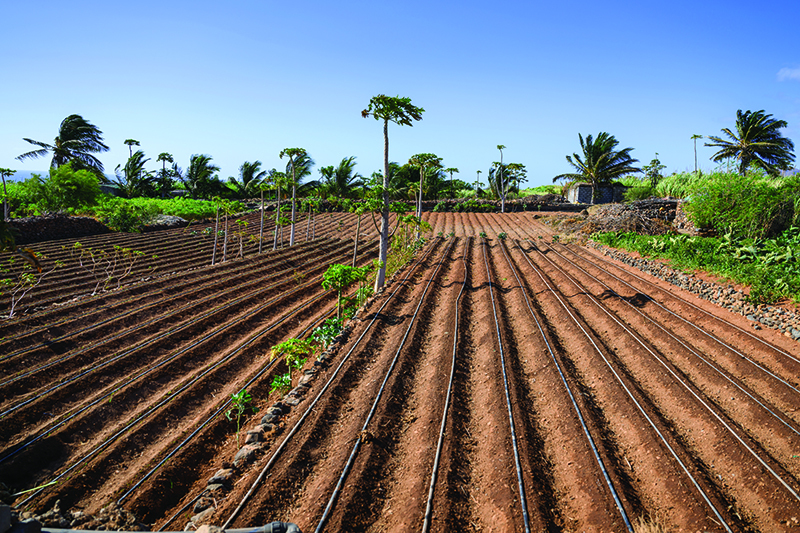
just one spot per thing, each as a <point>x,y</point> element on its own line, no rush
<point>281,527</point>
<point>293,400</point>
<point>269,419</point>
<point>214,487</point>
<point>246,454</point>
<point>223,477</point>
<point>199,518</point>
<point>305,379</point>
<point>254,435</point>
<point>202,504</point>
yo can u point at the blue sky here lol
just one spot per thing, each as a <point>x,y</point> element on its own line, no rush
<point>241,81</point>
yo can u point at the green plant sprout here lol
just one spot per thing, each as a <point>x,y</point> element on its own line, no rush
<point>295,351</point>
<point>239,404</point>
<point>281,383</point>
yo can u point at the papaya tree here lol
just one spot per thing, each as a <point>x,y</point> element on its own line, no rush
<point>339,277</point>
<point>401,111</point>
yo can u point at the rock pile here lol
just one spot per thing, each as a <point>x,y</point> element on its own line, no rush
<point>110,518</point>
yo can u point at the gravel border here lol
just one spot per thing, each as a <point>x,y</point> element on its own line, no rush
<point>787,322</point>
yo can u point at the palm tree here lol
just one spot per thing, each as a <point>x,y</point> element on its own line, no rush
<point>300,165</point>
<point>200,179</point>
<point>757,142</point>
<point>341,181</point>
<point>452,171</point>
<point>601,163</point>
<point>400,111</point>
<point>76,141</point>
<point>694,138</point>
<point>164,182</point>
<point>477,182</point>
<point>251,177</point>
<point>134,180</point>
<point>6,173</point>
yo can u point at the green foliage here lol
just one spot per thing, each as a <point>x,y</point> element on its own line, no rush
<point>64,189</point>
<point>281,383</point>
<point>239,404</point>
<point>652,172</point>
<point>769,266</point>
<point>747,206</point>
<point>600,161</point>
<point>502,235</point>
<point>540,190</point>
<point>338,277</point>
<point>76,142</point>
<point>295,352</point>
<point>325,334</point>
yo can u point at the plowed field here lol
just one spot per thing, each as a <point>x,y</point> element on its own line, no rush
<point>496,384</point>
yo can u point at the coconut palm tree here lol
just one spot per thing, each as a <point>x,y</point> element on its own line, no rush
<point>400,111</point>
<point>250,178</point>
<point>76,141</point>
<point>200,179</point>
<point>341,181</point>
<point>601,163</point>
<point>757,141</point>
<point>134,180</point>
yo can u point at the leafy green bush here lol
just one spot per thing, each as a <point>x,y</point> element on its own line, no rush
<point>747,206</point>
<point>63,189</point>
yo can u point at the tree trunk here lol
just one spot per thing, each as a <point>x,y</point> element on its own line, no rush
<point>308,223</point>
<point>277,221</point>
<point>225,241</point>
<point>216,235</point>
<point>355,248</point>
<point>383,246</point>
<point>261,231</point>
<point>294,194</point>
<point>5,201</point>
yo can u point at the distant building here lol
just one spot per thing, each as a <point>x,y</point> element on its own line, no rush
<point>581,193</point>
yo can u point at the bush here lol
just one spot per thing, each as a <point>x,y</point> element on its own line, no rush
<point>746,206</point>
<point>63,190</point>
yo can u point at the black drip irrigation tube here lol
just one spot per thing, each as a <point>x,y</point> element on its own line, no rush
<point>680,380</point>
<point>105,444</point>
<point>517,463</point>
<point>582,420</point>
<point>335,495</point>
<point>630,395</point>
<point>208,421</point>
<point>691,350</point>
<point>426,524</point>
<point>324,389</point>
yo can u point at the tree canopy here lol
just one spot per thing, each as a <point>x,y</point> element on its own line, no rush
<point>76,142</point>
<point>757,141</point>
<point>600,162</point>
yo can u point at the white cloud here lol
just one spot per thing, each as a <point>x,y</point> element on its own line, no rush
<point>789,74</point>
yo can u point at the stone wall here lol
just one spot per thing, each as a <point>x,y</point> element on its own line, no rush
<point>52,227</point>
